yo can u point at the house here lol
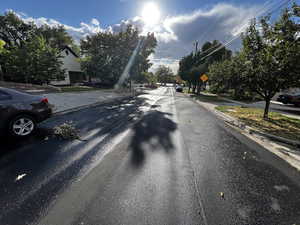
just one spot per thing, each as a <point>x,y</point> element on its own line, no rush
<point>71,65</point>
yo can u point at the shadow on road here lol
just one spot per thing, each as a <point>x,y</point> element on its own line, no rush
<point>53,160</point>
<point>154,130</point>
<point>9,143</point>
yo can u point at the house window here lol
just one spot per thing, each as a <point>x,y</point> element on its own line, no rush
<point>67,52</point>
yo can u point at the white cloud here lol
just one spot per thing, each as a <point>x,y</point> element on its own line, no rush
<point>175,34</point>
<point>95,22</point>
<point>77,33</point>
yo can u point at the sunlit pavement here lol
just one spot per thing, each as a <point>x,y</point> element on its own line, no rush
<point>156,159</point>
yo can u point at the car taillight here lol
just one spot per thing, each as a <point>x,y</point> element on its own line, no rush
<point>45,100</point>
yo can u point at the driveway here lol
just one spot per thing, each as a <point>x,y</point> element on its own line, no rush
<point>65,101</point>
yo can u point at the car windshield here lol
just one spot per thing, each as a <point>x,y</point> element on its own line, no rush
<point>157,112</point>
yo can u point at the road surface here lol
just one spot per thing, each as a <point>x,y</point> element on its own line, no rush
<point>157,159</point>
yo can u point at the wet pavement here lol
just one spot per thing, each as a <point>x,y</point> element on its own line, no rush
<point>156,159</point>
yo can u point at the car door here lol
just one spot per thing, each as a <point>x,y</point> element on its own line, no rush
<point>5,109</point>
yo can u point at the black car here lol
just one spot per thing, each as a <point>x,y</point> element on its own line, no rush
<point>285,99</point>
<point>289,99</point>
<point>20,112</point>
<point>178,88</point>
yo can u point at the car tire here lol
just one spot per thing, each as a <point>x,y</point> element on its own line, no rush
<point>22,125</point>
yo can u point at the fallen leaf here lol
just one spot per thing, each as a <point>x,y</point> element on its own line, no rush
<point>19,177</point>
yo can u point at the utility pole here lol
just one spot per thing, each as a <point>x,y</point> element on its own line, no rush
<point>196,46</point>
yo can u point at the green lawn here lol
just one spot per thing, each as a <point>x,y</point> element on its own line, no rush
<point>277,124</point>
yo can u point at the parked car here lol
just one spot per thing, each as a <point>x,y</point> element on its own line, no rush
<point>20,112</point>
<point>285,98</point>
<point>178,88</point>
<point>289,99</point>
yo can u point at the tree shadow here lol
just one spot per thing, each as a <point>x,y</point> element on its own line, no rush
<point>153,130</point>
<point>37,156</point>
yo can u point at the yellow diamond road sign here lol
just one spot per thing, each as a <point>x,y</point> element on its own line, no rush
<point>204,77</point>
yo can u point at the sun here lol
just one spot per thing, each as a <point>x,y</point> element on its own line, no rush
<point>150,14</point>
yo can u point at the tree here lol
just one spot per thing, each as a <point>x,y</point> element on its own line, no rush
<point>14,31</point>
<point>192,66</point>
<point>164,74</point>
<point>268,62</point>
<point>2,51</point>
<point>35,62</point>
<point>228,75</point>
<point>56,37</point>
<point>106,54</point>
<point>31,54</point>
<point>272,55</point>
<point>185,65</point>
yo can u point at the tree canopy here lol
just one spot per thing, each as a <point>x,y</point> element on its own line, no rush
<point>192,66</point>
<point>269,59</point>
<point>31,53</point>
<point>106,54</point>
<point>164,74</point>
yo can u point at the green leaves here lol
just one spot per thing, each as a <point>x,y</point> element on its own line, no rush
<point>107,54</point>
<point>269,60</point>
<point>192,66</point>
<point>164,74</point>
<point>31,54</point>
<point>34,62</point>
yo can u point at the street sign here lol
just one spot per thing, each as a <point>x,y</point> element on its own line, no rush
<point>204,78</point>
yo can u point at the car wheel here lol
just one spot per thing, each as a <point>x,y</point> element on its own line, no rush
<point>22,125</point>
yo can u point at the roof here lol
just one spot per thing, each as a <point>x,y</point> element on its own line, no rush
<point>67,47</point>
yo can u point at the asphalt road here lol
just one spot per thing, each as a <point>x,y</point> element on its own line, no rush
<point>157,159</point>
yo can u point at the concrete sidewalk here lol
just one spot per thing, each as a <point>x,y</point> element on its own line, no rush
<point>66,101</point>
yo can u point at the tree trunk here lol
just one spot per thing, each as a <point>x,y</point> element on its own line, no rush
<point>198,87</point>
<point>189,87</point>
<point>1,74</point>
<point>267,106</point>
<point>194,88</point>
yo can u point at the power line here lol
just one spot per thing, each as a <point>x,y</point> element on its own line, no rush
<point>240,33</point>
<point>262,10</point>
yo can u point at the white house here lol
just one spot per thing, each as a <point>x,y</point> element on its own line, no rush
<point>71,65</point>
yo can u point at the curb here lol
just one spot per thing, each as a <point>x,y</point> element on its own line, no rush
<point>275,138</point>
<point>75,109</point>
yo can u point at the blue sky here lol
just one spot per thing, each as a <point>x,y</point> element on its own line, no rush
<point>180,24</point>
<point>107,12</point>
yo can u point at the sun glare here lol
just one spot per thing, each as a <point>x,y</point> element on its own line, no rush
<point>150,14</point>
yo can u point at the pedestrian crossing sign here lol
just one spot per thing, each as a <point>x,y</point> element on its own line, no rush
<point>204,78</point>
